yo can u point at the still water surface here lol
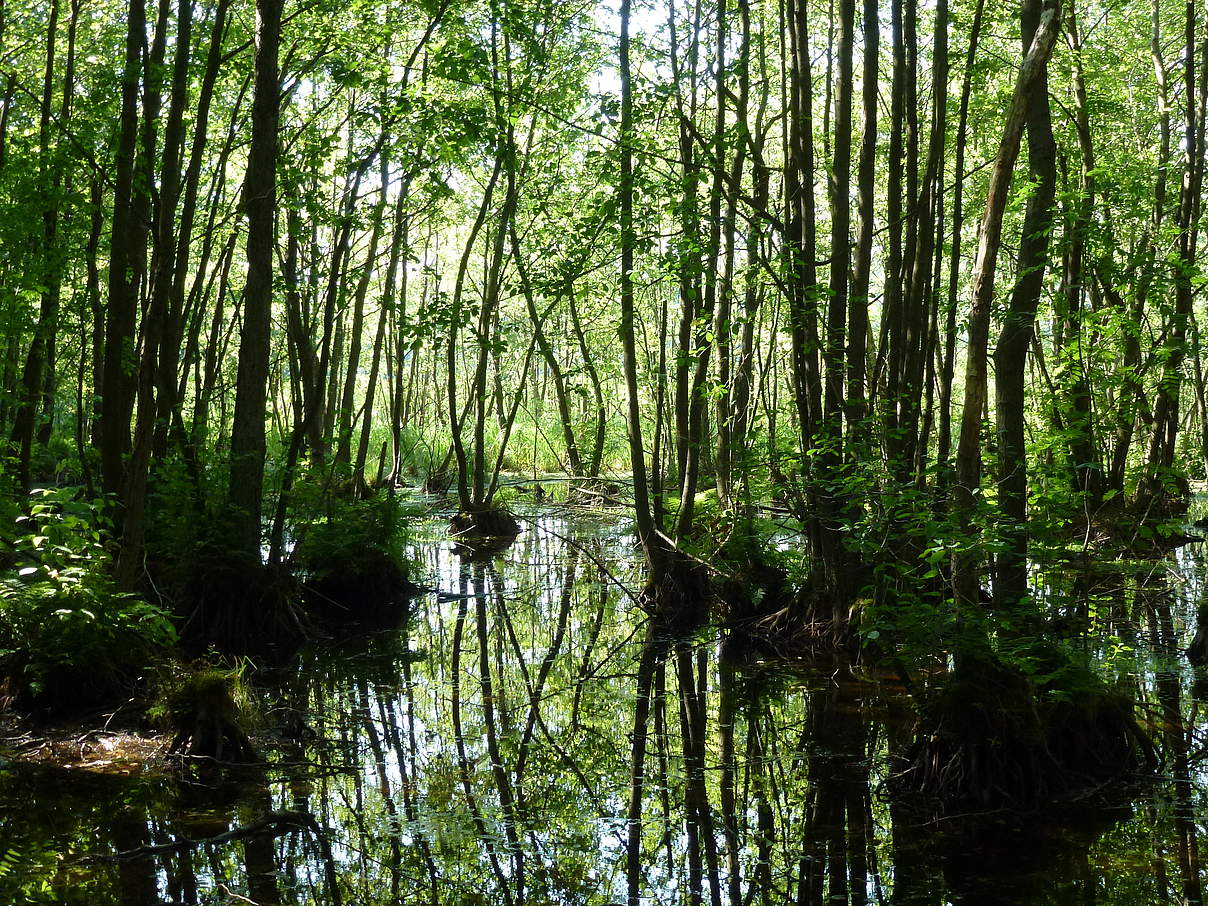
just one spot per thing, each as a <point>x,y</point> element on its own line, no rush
<point>483,752</point>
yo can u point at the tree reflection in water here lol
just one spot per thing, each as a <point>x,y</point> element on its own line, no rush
<point>525,737</point>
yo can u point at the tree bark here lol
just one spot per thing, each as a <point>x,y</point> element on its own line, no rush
<point>245,494</point>
<point>968,454</point>
<point>633,414</point>
<point>39,354</point>
<point>1010,355</point>
<point>121,310</point>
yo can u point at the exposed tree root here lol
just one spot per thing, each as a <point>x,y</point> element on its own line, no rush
<point>753,589</point>
<point>207,720</point>
<point>595,492</point>
<point>771,621</point>
<point>681,597</point>
<point>784,636</point>
<point>1148,525</point>
<point>240,606</point>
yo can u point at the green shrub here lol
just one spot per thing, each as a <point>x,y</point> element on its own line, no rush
<point>356,557</point>
<point>355,530</point>
<point>67,635</point>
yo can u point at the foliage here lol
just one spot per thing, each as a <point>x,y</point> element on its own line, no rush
<point>179,687</point>
<point>354,563</point>
<point>354,534</point>
<point>66,633</point>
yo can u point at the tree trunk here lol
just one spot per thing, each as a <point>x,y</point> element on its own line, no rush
<point>39,355</point>
<point>398,244</point>
<point>857,322</point>
<point>121,309</point>
<point>1160,480</point>
<point>1010,355</point>
<point>944,442</point>
<point>130,558</point>
<point>968,454</point>
<point>643,514</point>
<point>247,437</point>
<point>169,394</point>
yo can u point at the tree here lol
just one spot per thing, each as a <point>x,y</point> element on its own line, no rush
<point>245,494</point>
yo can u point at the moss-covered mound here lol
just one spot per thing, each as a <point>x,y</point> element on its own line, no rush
<point>206,709</point>
<point>484,523</point>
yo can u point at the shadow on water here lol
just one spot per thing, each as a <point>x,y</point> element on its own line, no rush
<point>525,737</point>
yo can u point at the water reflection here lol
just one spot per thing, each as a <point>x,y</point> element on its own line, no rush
<point>525,738</point>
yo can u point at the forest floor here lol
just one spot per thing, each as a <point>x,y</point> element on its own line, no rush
<point>103,742</point>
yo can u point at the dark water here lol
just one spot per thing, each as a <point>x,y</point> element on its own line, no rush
<point>484,754</point>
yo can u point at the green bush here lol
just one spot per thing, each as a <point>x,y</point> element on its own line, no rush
<point>66,634</point>
<point>354,531</point>
<point>355,558</point>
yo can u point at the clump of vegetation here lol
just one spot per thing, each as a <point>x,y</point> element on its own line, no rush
<point>1019,730</point>
<point>489,521</point>
<point>353,563</point>
<point>67,637</point>
<point>209,710</point>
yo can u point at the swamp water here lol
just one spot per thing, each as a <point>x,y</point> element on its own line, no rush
<point>482,754</point>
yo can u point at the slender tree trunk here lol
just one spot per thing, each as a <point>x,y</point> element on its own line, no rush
<point>968,454</point>
<point>701,328</point>
<point>840,265</point>
<point>944,442</point>
<point>923,272</point>
<point>121,309</point>
<point>36,360</point>
<point>593,377</point>
<point>1088,472</point>
<point>402,224</point>
<point>633,413</point>
<point>169,385</point>
<point>247,438</point>
<point>1010,355</point>
<point>452,352</point>
<point>886,373</point>
<point>347,399</point>
<point>129,559</point>
<point>857,324</point>
<point>1160,481</point>
<point>804,291</point>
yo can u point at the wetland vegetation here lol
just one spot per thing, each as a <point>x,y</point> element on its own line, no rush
<point>527,451</point>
